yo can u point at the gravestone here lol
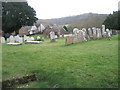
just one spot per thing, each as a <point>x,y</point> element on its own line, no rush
<point>69,40</point>
<point>25,38</point>
<point>20,40</point>
<point>94,33</point>
<point>75,31</point>
<point>28,38</point>
<point>38,37</point>
<point>17,38</point>
<point>90,33</point>
<point>108,34</point>
<point>85,34</point>
<point>52,36</point>
<point>98,33</point>
<point>103,31</point>
<point>8,39</point>
<point>11,39</point>
<point>32,39</point>
<point>2,40</point>
<point>42,39</point>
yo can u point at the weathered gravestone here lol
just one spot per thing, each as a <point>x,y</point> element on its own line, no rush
<point>25,38</point>
<point>85,34</point>
<point>38,37</point>
<point>32,38</point>
<point>28,38</point>
<point>11,39</point>
<point>103,31</point>
<point>98,34</point>
<point>8,39</point>
<point>42,39</point>
<point>94,33</point>
<point>20,40</point>
<point>69,40</point>
<point>17,38</point>
<point>2,40</point>
<point>75,31</point>
<point>52,36</point>
<point>108,33</point>
<point>90,33</point>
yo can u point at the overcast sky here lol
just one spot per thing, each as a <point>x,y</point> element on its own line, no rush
<point>46,9</point>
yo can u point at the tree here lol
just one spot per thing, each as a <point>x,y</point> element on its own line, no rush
<point>112,21</point>
<point>15,15</point>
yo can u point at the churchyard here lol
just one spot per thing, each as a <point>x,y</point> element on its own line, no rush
<point>58,63</point>
<point>84,59</point>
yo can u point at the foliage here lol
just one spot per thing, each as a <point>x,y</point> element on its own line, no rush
<point>92,64</point>
<point>68,28</point>
<point>111,21</point>
<point>15,15</point>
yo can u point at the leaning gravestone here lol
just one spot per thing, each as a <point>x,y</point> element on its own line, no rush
<point>12,40</point>
<point>52,36</point>
<point>75,38</point>
<point>28,38</point>
<point>69,40</point>
<point>100,32</point>
<point>2,40</point>
<point>90,33</point>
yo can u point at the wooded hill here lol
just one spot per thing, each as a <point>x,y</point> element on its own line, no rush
<point>80,21</point>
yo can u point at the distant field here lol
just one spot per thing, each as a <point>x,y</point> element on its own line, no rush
<point>92,64</point>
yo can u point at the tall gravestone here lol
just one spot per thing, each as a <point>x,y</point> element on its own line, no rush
<point>108,33</point>
<point>25,38</point>
<point>38,37</point>
<point>52,36</point>
<point>85,35</point>
<point>98,33</point>
<point>90,34</point>
<point>94,33</point>
<point>103,30</point>
<point>8,39</point>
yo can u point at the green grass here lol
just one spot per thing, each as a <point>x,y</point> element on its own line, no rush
<point>92,64</point>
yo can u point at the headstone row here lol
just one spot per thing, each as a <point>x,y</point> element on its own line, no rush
<point>90,34</point>
<point>18,39</point>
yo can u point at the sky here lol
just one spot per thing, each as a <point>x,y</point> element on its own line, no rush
<point>47,9</point>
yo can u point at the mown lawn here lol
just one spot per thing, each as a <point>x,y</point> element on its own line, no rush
<point>92,64</point>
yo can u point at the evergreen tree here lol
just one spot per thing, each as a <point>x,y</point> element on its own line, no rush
<point>112,21</point>
<point>15,15</point>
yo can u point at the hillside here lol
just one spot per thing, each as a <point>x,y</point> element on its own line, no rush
<point>83,20</point>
